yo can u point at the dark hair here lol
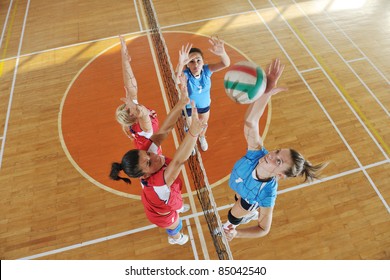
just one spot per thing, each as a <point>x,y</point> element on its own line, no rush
<point>302,167</point>
<point>129,165</point>
<point>192,50</point>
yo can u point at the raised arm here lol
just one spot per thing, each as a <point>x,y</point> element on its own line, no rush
<point>184,58</point>
<point>185,149</point>
<point>218,48</point>
<point>262,229</point>
<point>173,115</point>
<point>127,72</point>
<point>256,109</point>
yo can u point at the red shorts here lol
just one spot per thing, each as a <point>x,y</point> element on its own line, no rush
<point>161,221</point>
<point>154,205</point>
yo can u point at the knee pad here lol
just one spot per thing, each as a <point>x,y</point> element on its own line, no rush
<point>233,220</point>
<point>176,230</point>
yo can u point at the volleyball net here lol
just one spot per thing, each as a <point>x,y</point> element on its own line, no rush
<point>195,164</point>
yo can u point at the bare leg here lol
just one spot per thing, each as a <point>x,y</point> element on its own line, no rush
<point>205,117</point>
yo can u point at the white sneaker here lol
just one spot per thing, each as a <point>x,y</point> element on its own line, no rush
<point>253,215</point>
<point>193,152</point>
<point>184,208</point>
<point>203,143</point>
<point>180,241</point>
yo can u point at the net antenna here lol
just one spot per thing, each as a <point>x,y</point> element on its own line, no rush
<point>195,164</point>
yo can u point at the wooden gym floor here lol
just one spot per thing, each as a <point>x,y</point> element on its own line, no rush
<point>60,82</point>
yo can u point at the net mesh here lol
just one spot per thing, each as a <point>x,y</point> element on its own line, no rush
<point>195,164</point>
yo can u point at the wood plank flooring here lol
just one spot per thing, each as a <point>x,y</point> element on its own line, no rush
<point>57,202</point>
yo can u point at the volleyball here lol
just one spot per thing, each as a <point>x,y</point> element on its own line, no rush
<point>245,82</point>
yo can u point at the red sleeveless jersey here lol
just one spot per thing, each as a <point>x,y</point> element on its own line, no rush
<point>157,198</point>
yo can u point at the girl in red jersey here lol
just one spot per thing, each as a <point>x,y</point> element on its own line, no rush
<point>138,122</point>
<point>161,194</point>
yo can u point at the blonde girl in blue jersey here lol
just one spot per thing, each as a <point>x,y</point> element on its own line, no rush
<point>255,176</point>
<point>198,75</point>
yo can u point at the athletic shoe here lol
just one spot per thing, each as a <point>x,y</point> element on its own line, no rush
<point>184,208</point>
<point>193,152</point>
<point>253,215</point>
<point>181,241</point>
<point>203,143</point>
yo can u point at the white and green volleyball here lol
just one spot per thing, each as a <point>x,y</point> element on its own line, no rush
<point>245,82</point>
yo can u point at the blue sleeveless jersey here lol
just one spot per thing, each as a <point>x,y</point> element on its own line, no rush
<point>249,188</point>
<point>199,89</point>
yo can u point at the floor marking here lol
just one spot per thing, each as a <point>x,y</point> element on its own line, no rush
<point>342,89</point>
<point>5,23</point>
<point>11,95</point>
<point>191,236</point>
<point>8,36</point>
<point>138,16</point>
<point>306,46</point>
<point>357,47</point>
<point>198,214</point>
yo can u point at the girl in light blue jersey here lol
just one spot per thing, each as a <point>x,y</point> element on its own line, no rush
<point>199,78</point>
<point>255,176</point>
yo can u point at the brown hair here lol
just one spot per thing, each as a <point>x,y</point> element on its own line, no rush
<point>196,50</point>
<point>302,167</point>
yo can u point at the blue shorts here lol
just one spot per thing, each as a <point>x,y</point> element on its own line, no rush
<point>200,111</point>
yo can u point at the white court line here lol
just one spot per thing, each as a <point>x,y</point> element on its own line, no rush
<point>194,215</point>
<point>331,81</point>
<point>3,34</point>
<point>357,47</point>
<point>11,95</point>
<point>205,20</point>
<point>357,59</point>
<point>342,58</point>
<point>189,229</point>
<point>87,243</point>
<point>74,45</point>
<point>336,176</point>
<point>320,104</point>
<point>310,70</point>
<point>5,23</point>
<point>127,34</point>
<point>138,17</point>
<point>327,76</point>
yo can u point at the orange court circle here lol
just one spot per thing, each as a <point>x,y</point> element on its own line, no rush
<point>92,139</point>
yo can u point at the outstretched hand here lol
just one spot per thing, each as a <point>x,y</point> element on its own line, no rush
<point>184,54</point>
<point>217,46</point>
<point>274,71</point>
<point>197,125</point>
<point>182,81</point>
<point>230,232</point>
